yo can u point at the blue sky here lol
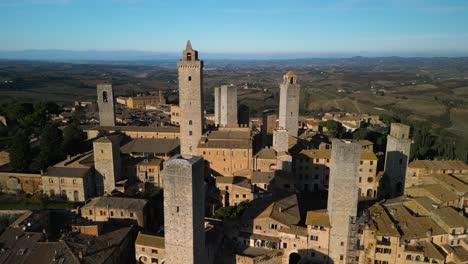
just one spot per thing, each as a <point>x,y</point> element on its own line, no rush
<point>387,27</point>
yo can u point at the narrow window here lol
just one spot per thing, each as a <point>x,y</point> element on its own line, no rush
<point>190,122</point>
<point>177,209</point>
<point>105,99</point>
<point>190,78</point>
<point>189,57</point>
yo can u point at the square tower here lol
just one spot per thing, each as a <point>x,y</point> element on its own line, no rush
<point>105,98</point>
<point>184,207</point>
<point>107,164</point>
<point>289,103</point>
<point>190,100</point>
<point>396,159</point>
<point>226,105</point>
<point>343,196</point>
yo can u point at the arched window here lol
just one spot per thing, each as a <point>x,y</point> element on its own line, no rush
<point>418,258</point>
<point>189,56</point>
<point>409,257</point>
<point>75,195</point>
<point>105,99</point>
<point>64,194</point>
<point>370,192</point>
<point>291,80</point>
<point>190,78</point>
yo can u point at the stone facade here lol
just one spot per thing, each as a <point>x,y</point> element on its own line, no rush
<point>11,182</point>
<point>107,163</point>
<point>143,101</point>
<point>269,122</point>
<point>149,171</point>
<point>184,199</point>
<point>105,97</point>
<point>226,105</point>
<point>289,104</point>
<point>281,140</point>
<point>342,196</point>
<point>175,115</point>
<point>396,159</point>
<point>190,100</point>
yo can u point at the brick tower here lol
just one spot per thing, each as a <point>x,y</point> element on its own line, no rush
<point>343,196</point>
<point>105,97</point>
<point>190,100</point>
<point>184,198</point>
<point>396,159</point>
<point>289,103</point>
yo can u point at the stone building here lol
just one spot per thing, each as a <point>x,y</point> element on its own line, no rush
<point>142,101</point>
<point>234,190</point>
<point>396,159</point>
<point>225,105</point>
<point>149,170</point>
<point>227,150</point>
<point>11,182</point>
<point>163,132</point>
<point>419,169</point>
<point>265,160</point>
<point>312,171</point>
<point>184,209</point>
<point>107,163</point>
<point>289,104</point>
<point>343,198</point>
<point>149,249</point>
<point>104,208</point>
<point>105,98</point>
<point>71,179</point>
<point>269,123</point>
<point>190,100</point>
<point>175,115</point>
<point>281,140</point>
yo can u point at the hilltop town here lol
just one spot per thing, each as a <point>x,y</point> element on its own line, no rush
<point>135,179</point>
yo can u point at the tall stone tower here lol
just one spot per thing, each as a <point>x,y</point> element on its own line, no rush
<point>184,198</point>
<point>289,103</point>
<point>396,159</point>
<point>343,196</point>
<point>190,100</point>
<point>226,105</point>
<point>107,164</point>
<point>105,97</point>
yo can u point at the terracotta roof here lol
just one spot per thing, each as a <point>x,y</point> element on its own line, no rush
<point>365,142</point>
<point>113,202</point>
<point>151,145</point>
<point>437,192</point>
<point>283,209</point>
<point>149,241</point>
<point>326,154</point>
<point>438,164</point>
<point>295,230</point>
<point>266,153</point>
<point>318,218</point>
<point>451,217</point>
<point>382,222</point>
<point>262,177</point>
<point>163,129</point>
<point>291,74</point>
<point>66,172</point>
<point>236,180</point>
<point>451,182</point>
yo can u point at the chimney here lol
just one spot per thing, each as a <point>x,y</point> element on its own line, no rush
<point>68,157</point>
<point>280,209</point>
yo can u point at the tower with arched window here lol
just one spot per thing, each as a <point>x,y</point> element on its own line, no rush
<point>105,98</point>
<point>289,104</point>
<point>190,100</point>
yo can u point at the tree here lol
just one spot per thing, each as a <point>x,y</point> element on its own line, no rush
<point>20,152</point>
<point>361,134</point>
<point>50,138</point>
<point>72,139</point>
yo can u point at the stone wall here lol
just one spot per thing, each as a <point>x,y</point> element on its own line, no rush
<point>105,97</point>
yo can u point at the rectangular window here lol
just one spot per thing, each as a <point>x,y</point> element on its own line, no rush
<point>74,181</point>
<point>190,133</point>
<point>314,238</point>
<point>90,212</point>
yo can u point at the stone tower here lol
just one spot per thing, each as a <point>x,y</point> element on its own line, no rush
<point>226,105</point>
<point>289,103</point>
<point>107,165</point>
<point>396,159</point>
<point>281,140</point>
<point>343,196</point>
<point>105,97</point>
<point>190,100</point>
<point>184,198</point>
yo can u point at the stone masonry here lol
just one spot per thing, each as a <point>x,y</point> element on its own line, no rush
<point>107,163</point>
<point>228,106</point>
<point>289,103</point>
<point>190,100</point>
<point>184,198</point>
<point>342,195</point>
<point>281,140</point>
<point>396,159</point>
<point>105,97</point>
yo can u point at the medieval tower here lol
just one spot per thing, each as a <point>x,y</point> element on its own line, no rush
<point>343,197</point>
<point>106,152</point>
<point>184,198</point>
<point>190,100</point>
<point>226,105</point>
<point>289,103</point>
<point>105,97</point>
<point>396,159</point>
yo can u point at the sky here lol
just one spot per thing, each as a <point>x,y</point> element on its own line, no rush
<point>355,27</point>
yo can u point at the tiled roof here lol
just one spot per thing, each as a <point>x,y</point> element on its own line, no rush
<point>318,218</point>
<point>164,129</point>
<point>326,154</point>
<point>438,164</point>
<point>149,241</point>
<point>151,145</point>
<point>266,153</point>
<point>112,202</point>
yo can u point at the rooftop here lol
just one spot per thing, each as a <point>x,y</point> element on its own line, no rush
<point>149,241</point>
<point>318,218</point>
<point>438,164</point>
<point>113,202</point>
<point>151,145</point>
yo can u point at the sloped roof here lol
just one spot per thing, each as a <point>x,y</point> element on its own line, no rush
<point>438,164</point>
<point>149,241</point>
<point>318,218</point>
<point>151,145</point>
<point>113,202</point>
<point>266,153</point>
